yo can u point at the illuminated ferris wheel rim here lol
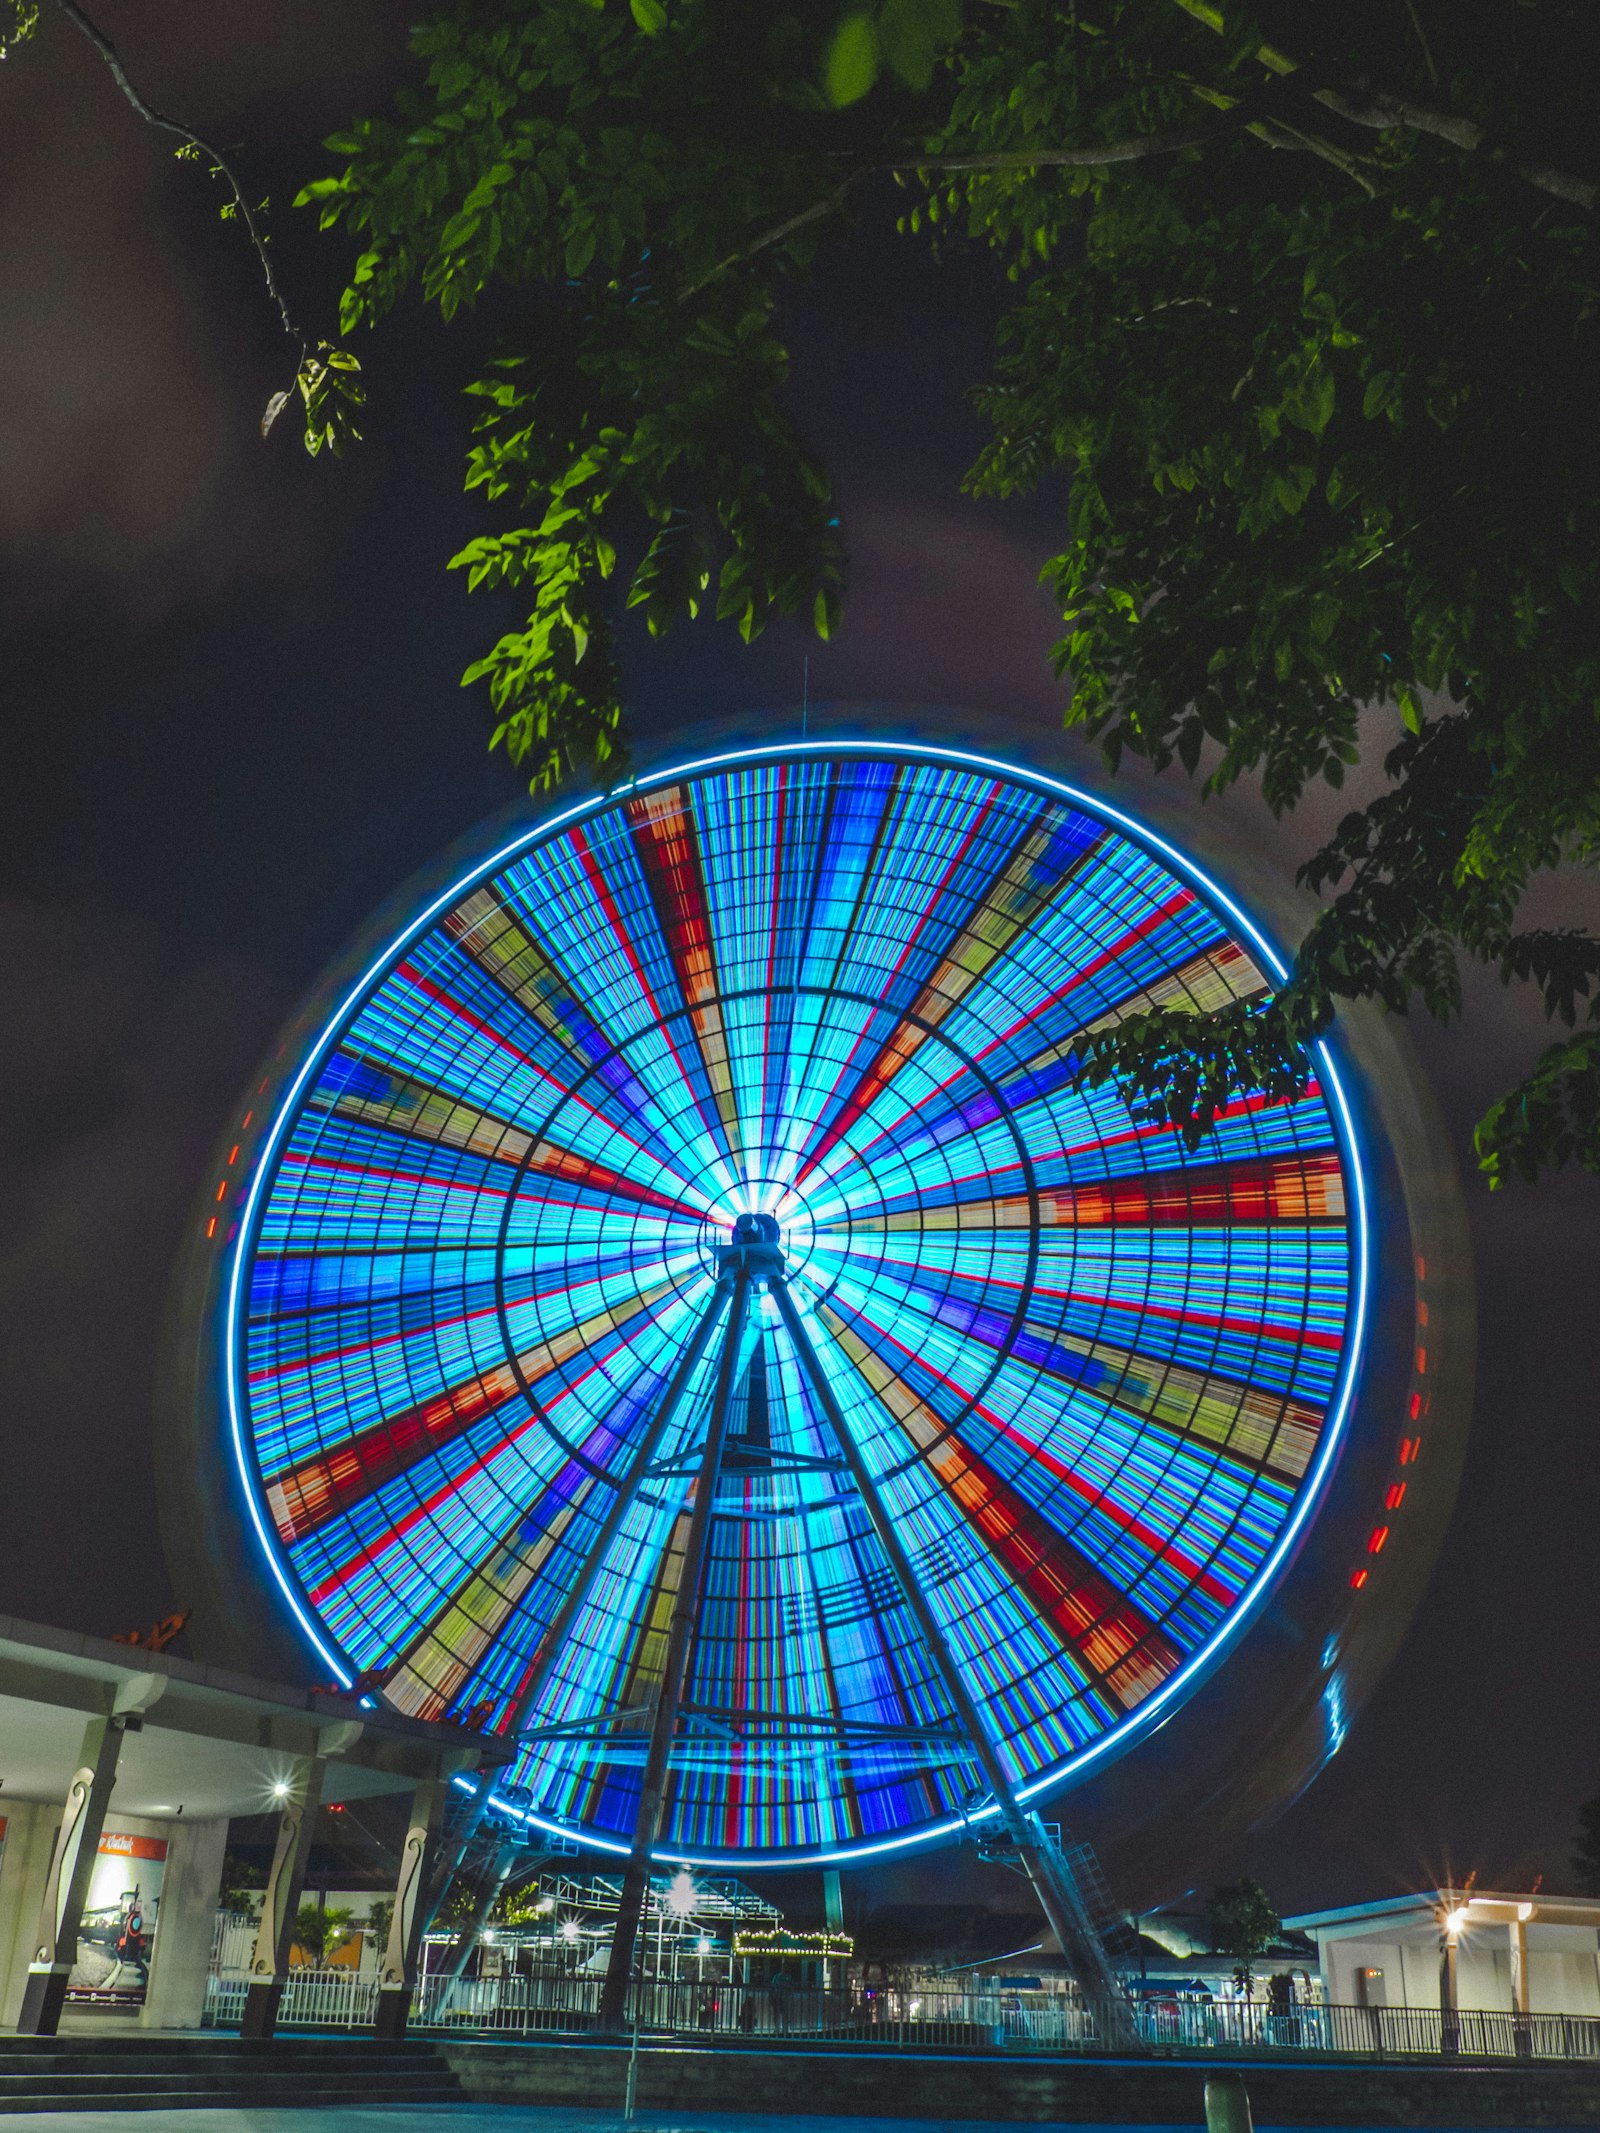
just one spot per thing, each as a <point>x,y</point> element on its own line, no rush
<point>394,944</point>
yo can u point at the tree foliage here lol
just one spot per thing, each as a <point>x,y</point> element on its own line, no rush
<point>1240,1922</point>
<point>319,1932</point>
<point>379,1917</point>
<point>1305,308</point>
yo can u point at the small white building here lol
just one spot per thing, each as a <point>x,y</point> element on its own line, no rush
<point>1457,1950</point>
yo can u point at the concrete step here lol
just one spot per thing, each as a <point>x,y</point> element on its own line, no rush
<point>131,2073</point>
<point>257,2078</point>
<point>304,2098</point>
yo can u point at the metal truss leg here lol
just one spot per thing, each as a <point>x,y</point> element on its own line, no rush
<point>550,1644</point>
<point>652,1791</point>
<point>1052,1877</point>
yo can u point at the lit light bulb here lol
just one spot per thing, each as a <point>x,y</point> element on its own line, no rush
<point>682,1895</point>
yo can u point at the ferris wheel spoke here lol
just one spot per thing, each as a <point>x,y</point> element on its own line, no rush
<point>1108,1635</point>
<point>326,1484</point>
<point>503,942</point>
<point>673,1667</point>
<point>669,849</point>
<point>599,1542</point>
<point>1253,1426</point>
<point>1004,909</point>
<point>609,1113</point>
<point>985,1019</point>
<point>1060,1900</point>
<point>634,1425</point>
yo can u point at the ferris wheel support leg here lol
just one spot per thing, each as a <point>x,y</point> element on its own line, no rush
<point>663,1725</point>
<point>1051,1874</point>
<point>550,1645</point>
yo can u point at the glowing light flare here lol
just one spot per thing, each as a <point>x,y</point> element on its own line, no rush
<point>683,1896</point>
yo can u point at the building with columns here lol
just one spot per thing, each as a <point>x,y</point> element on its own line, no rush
<point>108,1748</point>
<point>1459,1951</point>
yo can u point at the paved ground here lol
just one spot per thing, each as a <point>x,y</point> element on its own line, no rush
<point>509,2118</point>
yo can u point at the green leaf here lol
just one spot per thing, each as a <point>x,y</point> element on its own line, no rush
<point>853,61</point>
<point>909,33</point>
<point>650,15</point>
<point>1316,400</point>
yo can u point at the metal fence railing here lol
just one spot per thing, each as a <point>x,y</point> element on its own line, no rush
<point>996,2018</point>
<point>312,1999</point>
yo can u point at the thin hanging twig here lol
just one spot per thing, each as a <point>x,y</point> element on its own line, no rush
<point>1422,39</point>
<point>148,112</point>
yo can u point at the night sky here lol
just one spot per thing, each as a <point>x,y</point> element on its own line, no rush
<point>229,681</point>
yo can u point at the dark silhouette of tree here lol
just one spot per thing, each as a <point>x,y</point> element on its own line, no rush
<point>1240,1922</point>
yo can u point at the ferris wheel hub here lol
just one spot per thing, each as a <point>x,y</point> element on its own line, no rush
<point>756,1249</point>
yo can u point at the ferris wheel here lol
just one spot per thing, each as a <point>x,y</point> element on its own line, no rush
<point>687,1314</point>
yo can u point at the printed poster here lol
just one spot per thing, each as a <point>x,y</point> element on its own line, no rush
<point>119,1919</point>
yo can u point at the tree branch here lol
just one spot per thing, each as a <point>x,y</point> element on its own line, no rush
<point>1362,105</point>
<point>1383,112</point>
<point>1422,39</point>
<point>778,232</point>
<point>147,111</point>
<point>1173,142</point>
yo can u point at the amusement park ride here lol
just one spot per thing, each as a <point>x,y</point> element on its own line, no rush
<point>671,1303</point>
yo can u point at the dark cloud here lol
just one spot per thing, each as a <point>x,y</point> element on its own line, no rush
<point>116,1060</point>
<point>137,342</point>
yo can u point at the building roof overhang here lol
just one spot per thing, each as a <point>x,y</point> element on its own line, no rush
<point>1418,1918</point>
<point>199,1740</point>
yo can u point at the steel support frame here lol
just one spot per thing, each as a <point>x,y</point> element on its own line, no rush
<point>652,1790</point>
<point>1052,1878</point>
<point>550,1645</point>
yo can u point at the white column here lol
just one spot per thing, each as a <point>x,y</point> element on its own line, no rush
<point>175,1997</point>
<point>1449,2018</point>
<point>24,1864</point>
<point>269,1961</point>
<point>1517,1935</point>
<point>55,1941</point>
<point>397,1970</point>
